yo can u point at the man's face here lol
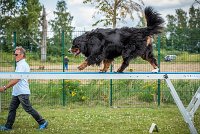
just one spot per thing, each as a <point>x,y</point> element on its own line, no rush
<point>18,55</point>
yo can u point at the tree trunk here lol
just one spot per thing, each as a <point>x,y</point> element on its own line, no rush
<point>44,37</point>
<point>114,21</point>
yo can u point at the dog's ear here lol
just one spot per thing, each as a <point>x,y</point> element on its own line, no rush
<point>83,47</point>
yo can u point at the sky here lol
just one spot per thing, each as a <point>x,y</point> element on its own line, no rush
<point>83,13</point>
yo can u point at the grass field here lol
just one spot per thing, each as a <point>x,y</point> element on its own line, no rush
<point>102,120</point>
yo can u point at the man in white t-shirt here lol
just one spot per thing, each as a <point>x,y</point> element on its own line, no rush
<point>20,93</point>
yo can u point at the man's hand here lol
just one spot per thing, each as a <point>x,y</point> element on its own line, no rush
<point>2,89</point>
<point>10,84</point>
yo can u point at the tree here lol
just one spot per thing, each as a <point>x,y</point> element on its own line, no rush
<point>171,30</point>
<point>8,7</point>
<point>44,36</point>
<point>7,22</point>
<point>194,28</point>
<point>21,16</point>
<point>197,1</point>
<point>114,11</point>
<point>192,18</point>
<point>183,31</point>
<point>62,22</point>
<point>181,18</point>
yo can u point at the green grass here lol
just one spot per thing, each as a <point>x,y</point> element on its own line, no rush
<point>102,120</point>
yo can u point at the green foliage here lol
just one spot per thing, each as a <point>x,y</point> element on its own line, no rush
<point>183,31</point>
<point>97,92</point>
<point>33,56</point>
<point>185,90</point>
<point>182,56</point>
<point>148,91</point>
<point>74,91</point>
<point>22,17</point>
<point>54,59</point>
<point>47,93</point>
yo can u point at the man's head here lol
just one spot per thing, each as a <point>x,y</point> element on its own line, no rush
<point>19,53</point>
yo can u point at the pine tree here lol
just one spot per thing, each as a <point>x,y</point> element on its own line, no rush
<point>62,22</point>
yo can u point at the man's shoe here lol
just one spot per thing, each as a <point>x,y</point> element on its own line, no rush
<point>43,126</point>
<point>3,128</point>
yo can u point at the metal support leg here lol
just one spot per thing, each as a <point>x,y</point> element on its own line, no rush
<point>194,103</point>
<point>181,107</point>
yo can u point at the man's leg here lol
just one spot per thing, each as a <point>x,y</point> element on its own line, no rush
<point>66,66</point>
<point>24,100</point>
<point>14,104</point>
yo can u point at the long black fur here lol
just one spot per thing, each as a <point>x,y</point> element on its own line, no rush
<point>106,44</point>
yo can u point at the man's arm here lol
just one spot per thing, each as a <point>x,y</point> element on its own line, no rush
<point>11,83</point>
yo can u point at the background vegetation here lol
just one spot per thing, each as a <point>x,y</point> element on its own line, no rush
<point>181,38</point>
<point>25,18</point>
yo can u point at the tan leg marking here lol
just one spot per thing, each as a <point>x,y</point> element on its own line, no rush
<point>149,41</point>
<point>106,65</point>
<point>83,65</point>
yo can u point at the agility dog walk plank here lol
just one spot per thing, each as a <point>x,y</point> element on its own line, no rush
<point>97,75</point>
<point>187,113</point>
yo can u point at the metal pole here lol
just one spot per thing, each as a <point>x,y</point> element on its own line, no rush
<point>63,54</point>
<point>158,90</point>
<point>14,45</point>
<point>111,87</point>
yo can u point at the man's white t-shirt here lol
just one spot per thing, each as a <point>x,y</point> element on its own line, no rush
<point>22,87</point>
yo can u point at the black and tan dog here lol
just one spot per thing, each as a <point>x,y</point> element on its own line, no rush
<point>103,45</point>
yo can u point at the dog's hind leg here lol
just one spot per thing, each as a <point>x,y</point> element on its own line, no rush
<point>127,56</point>
<point>124,64</point>
<point>153,62</point>
<point>106,64</point>
<point>148,56</point>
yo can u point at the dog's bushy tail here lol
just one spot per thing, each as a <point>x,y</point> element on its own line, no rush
<point>154,21</point>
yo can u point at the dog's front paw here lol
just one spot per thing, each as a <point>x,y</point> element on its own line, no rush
<point>103,70</point>
<point>80,67</point>
<point>120,70</point>
<point>155,70</point>
<point>83,65</point>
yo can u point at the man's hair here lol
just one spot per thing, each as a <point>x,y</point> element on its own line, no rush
<point>22,50</point>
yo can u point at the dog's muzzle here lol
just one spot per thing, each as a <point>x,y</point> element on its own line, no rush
<point>75,51</point>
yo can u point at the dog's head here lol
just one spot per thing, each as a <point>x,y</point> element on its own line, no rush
<point>79,45</point>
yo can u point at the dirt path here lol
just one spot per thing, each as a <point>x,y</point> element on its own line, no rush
<point>165,67</point>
